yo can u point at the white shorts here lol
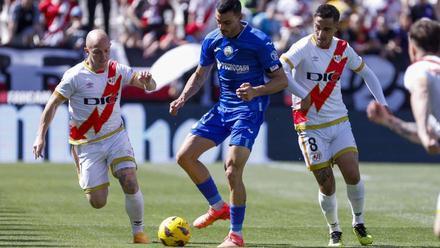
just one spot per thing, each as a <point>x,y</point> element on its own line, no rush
<point>321,147</point>
<point>93,160</point>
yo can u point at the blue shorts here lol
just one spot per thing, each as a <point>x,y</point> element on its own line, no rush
<point>217,125</point>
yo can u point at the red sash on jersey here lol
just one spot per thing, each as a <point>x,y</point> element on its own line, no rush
<point>336,66</point>
<point>95,120</point>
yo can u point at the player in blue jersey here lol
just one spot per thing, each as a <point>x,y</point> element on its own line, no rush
<point>243,56</point>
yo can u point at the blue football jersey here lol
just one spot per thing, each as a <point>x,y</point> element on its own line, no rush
<point>245,58</point>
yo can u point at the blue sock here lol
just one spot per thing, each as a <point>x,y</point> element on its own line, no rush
<point>237,217</point>
<point>209,191</point>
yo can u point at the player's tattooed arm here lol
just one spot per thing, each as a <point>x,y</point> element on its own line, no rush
<point>408,130</point>
<point>195,82</point>
<point>377,113</point>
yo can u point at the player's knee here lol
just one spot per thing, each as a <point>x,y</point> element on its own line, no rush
<point>97,203</point>
<point>129,183</point>
<point>232,174</point>
<point>353,179</point>
<point>97,199</point>
<point>184,159</point>
<point>327,189</point>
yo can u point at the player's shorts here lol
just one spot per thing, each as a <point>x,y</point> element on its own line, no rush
<point>217,125</point>
<point>93,160</point>
<point>321,147</point>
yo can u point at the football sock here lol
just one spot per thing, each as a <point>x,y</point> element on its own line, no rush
<point>134,205</point>
<point>237,218</point>
<point>329,207</point>
<point>356,197</point>
<point>438,204</point>
<point>210,192</point>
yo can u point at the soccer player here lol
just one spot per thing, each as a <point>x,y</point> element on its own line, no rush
<point>422,79</point>
<point>314,66</point>
<point>97,134</point>
<point>243,55</point>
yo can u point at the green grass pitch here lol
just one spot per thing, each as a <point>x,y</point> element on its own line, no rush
<point>41,205</point>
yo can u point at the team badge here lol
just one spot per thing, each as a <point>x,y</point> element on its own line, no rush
<point>316,156</point>
<point>274,55</point>
<point>337,58</point>
<point>228,51</point>
<point>111,80</point>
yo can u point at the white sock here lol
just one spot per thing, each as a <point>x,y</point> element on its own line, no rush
<point>329,207</point>
<point>356,197</point>
<point>437,219</point>
<point>438,204</point>
<point>134,205</point>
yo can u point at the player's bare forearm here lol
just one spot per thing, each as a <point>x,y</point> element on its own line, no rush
<point>193,85</point>
<point>46,118</point>
<point>278,82</point>
<point>49,111</point>
<point>195,82</point>
<point>408,130</point>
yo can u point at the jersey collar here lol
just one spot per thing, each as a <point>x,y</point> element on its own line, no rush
<point>87,66</point>
<point>246,27</point>
<point>313,40</point>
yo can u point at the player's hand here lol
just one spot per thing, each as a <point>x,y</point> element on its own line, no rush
<point>430,142</point>
<point>432,146</point>
<point>378,113</point>
<point>246,92</point>
<point>38,147</point>
<point>176,105</point>
<point>145,78</point>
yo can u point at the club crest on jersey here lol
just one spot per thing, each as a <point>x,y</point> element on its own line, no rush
<point>274,55</point>
<point>227,51</point>
<point>316,156</point>
<point>111,80</point>
<point>337,58</point>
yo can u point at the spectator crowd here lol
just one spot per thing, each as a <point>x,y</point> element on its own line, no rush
<point>154,26</point>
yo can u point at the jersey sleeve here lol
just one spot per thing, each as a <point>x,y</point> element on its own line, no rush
<point>412,77</point>
<point>66,86</point>
<point>354,61</point>
<point>268,56</point>
<point>126,72</point>
<point>207,53</point>
<point>294,55</point>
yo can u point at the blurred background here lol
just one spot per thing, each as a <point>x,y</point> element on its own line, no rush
<point>41,39</point>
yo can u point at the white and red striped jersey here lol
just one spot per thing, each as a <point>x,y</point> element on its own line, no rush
<point>94,100</point>
<point>428,67</point>
<point>318,72</point>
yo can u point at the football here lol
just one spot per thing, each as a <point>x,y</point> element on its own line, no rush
<point>174,231</point>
